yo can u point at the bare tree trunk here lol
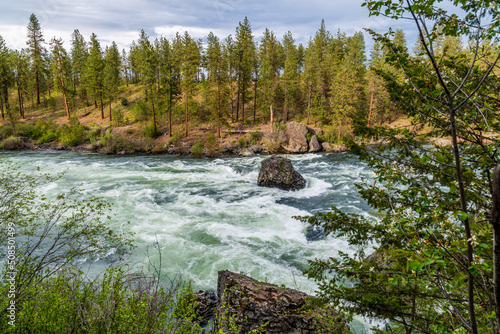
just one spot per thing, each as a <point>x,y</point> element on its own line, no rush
<point>308,105</point>
<point>154,118</point>
<point>272,118</point>
<point>187,104</point>
<point>66,104</point>
<point>20,101</point>
<point>102,109</point>
<point>495,221</point>
<point>371,104</point>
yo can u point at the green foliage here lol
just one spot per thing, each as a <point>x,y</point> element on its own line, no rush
<point>12,143</point>
<point>211,146</point>
<point>149,130</point>
<point>242,142</point>
<point>74,134</point>
<point>124,102</point>
<point>432,270</point>
<point>118,117</point>
<point>6,131</point>
<point>198,149</point>
<point>141,111</point>
<point>52,104</point>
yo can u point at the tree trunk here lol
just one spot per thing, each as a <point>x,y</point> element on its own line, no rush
<point>218,109</point>
<point>20,101</point>
<point>102,109</point>
<point>272,118</point>
<point>37,85</point>
<point>1,108</point>
<point>231,102</point>
<point>285,110</point>
<point>110,113</point>
<point>154,118</point>
<point>170,112</point>
<point>254,100</point>
<point>308,105</point>
<point>495,221</point>
<point>186,133</point>
<point>463,204</point>
<point>66,105</point>
<point>371,104</point>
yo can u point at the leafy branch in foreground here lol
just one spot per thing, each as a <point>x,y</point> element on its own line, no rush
<point>435,268</point>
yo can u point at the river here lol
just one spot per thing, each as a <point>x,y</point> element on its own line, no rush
<point>209,214</point>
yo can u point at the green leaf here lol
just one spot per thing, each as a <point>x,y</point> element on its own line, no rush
<point>462,215</point>
<point>453,189</point>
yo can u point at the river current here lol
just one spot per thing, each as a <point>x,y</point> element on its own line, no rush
<point>209,214</point>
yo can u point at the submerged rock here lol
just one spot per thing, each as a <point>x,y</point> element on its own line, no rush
<point>278,172</point>
<point>253,304</point>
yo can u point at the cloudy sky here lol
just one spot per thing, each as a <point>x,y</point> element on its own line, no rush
<point>122,20</point>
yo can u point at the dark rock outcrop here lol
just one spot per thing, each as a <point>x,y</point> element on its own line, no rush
<point>296,141</point>
<point>253,304</point>
<point>206,305</point>
<point>314,145</point>
<point>278,172</point>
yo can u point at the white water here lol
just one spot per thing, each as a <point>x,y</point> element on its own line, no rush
<point>209,214</point>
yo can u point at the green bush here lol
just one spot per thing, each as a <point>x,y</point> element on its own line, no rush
<point>25,129</point>
<point>174,140</point>
<point>211,146</point>
<point>124,102</point>
<point>118,117</point>
<point>255,137</point>
<point>6,131</point>
<point>149,130</point>
<point>198,149</point>
<point>242,142</point>
<point>12,143</point>
<point>141,111</point>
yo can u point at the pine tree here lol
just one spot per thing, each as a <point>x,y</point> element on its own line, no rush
<point>94,72</point>
<point>21,68</point>
<point>36,49</point>
<point>290,77</point>
<point>269,61</point>
<point>61,69</point>
<point>5,77</point>
<point>216,65</point>
<point>111,74</point>
<point>148,69</point>
<point>230,55</point>
<point>79,54</point>
<point>245,53</point>
<point>189,69</point>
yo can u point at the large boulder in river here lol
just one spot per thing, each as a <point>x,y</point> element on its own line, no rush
<point>278,172</point>
<point>296,138</point>
<point>253,304</point>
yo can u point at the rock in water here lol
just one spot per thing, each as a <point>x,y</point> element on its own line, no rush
<point>253,304</point>
<point>296,134</point>
<point>278,172</point>
<point>314,145</point>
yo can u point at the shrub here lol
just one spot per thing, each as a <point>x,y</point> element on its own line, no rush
<point>124,102</point>
<point>141,111</point>
<point>198,149</point>
<point>25,129</point>
<point>149,130</point>
<point>255,137</point>
<point>118,117</point>
<point>242,142</point>
<point>174,140</point>
<point>211,146</point>
<point>6,131</point>
<point>12,143</point>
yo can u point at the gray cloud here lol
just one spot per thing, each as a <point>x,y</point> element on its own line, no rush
<point>122,20</point>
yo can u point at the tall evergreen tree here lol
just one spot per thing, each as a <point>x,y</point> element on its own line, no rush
<point>216,65</point>
<point>269,61</point>
<point>94,72</point>
<point>79,54</point>
<point>35,43</point>
<point>21,68</point>
<point>245,52</point>
<point>5,76</point>
<point>190,64</point>
<point>61,69</point>
<point>290,77</point>
<point>112,66</point>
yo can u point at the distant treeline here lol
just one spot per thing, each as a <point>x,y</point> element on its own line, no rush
<point>239,79</point>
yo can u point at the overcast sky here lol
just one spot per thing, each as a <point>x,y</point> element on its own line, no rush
<point>122,20</point>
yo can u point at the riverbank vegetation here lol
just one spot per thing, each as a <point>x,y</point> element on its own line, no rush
<point>436,265</point>
<point>162,92</point>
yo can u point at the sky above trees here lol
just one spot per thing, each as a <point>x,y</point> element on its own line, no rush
<point>122,20</point>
